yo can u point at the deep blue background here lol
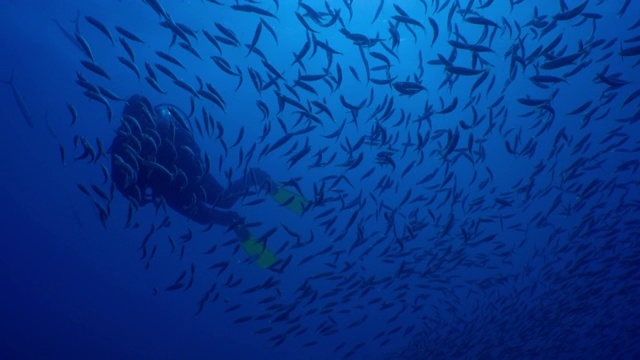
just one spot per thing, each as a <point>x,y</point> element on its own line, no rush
<point>72,289</point>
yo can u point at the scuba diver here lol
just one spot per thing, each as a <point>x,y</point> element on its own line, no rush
<point>156,160</point>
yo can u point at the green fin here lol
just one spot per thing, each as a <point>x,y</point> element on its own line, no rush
<point>292,201</point>
<point>264,257</point>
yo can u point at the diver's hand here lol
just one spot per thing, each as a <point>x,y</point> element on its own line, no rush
<point>229,217</point>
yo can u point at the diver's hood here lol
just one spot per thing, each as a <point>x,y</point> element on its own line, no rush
<point>163,115</point>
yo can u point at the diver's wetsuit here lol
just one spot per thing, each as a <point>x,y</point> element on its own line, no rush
<point>155,158</point>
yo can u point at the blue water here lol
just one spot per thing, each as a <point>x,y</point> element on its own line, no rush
<point>523,244</point>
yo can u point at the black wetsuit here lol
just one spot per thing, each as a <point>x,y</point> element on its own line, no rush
<point>155,159</point>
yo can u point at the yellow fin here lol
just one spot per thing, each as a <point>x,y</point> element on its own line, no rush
<point>264,257</point>
<point>294,202</point>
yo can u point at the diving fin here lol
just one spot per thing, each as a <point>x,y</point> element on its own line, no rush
<point>263,256</point>
<point>292,201</point>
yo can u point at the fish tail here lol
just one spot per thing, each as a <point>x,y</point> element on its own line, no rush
<point>10,81</point>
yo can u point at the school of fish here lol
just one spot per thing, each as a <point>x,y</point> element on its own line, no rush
<point>389,118</point>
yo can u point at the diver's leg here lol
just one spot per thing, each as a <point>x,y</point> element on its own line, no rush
<point>206,215</point>
<point>255,248</point>
<point>221,197</point>
<point>255,177</point>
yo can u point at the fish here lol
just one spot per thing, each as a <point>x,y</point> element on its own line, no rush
<point>154,84</point>
<point>22,105</point>
<point>378,11</point>
<point>212,39</point>
<point>102,212</point>
<point>435,28</point>
<point>101,27</point>
<point>630,51</point>
<point>128,34</point>
<point>85,46</point>
<point>407,20</point>
<point>169,58</point>
<point>224,65</point>
<point>228,33</point>
<point>131,66</point>
<point>62,154</point>
<point>572,13</point>
<point>174,287</point>
<point>95,68</point>
<point>269,29</point>
<point>239,138</point>
<point>163,69</point>
<point>69,35</point>
<point>453,138</point>
<point>560,61</point>
<point>408,87</point>
<point>479,20</point>
<point>188,88</point>
<point>190,49</point>
<point>471,47</point>
<point>256,38</point>
<point>253,9</point>
<point>449,107</point>
<point>108,94</point>
<point>458,70</point>
<point>128,49</point>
